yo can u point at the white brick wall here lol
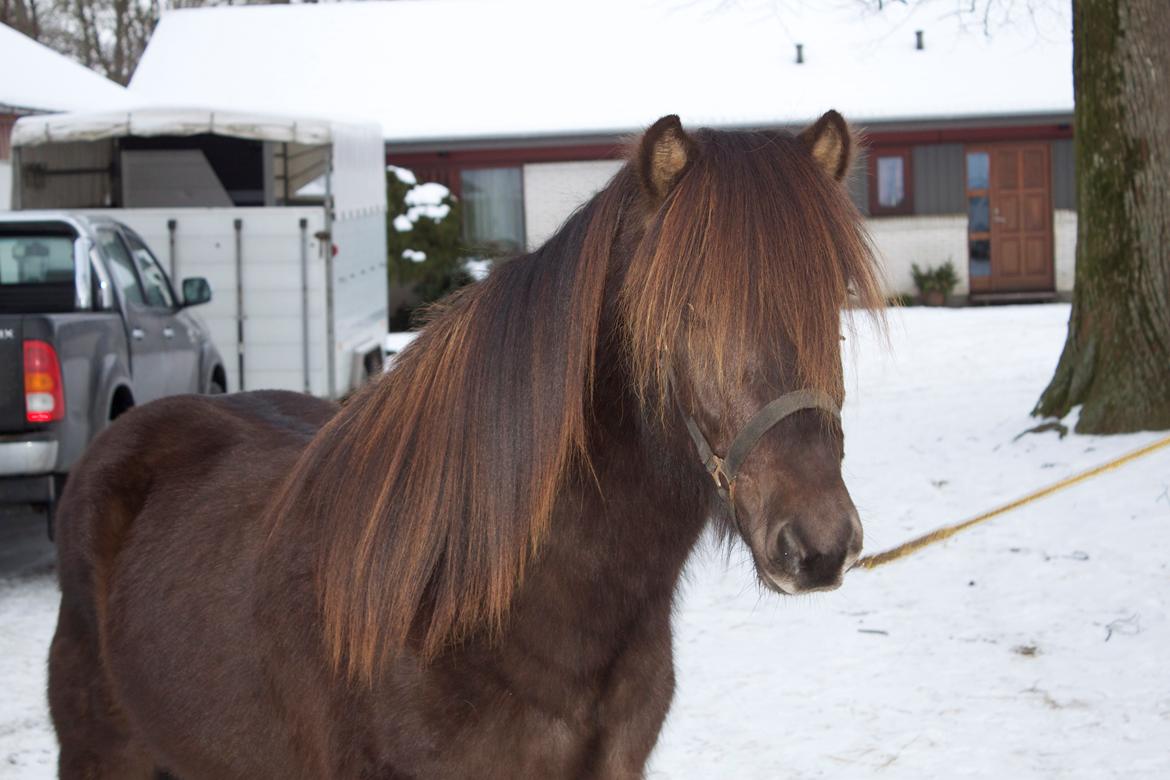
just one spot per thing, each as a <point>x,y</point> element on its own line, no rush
<point>553,190</point>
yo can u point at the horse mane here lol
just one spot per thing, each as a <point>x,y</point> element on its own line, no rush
<point>435,485</point>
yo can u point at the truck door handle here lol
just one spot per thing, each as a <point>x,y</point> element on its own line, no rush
<point>138,334</point>
<point>168,333</point>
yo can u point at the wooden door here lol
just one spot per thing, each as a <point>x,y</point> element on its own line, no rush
<point>1010,218</point>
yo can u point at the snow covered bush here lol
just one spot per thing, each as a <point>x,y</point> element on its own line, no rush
<point>427,258</point>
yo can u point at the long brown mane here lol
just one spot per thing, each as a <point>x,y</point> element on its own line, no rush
<point>435,485</point>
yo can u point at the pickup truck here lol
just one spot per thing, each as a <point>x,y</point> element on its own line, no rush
<point>89,327</point>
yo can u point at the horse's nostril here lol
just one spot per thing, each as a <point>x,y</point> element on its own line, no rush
<point>821,567</point>
<point>788,551</point>
<point>793,555</point>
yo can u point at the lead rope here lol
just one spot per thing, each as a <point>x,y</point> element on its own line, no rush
<point>947,531</point>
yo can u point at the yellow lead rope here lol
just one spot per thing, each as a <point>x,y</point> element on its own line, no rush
<point>946,532</point>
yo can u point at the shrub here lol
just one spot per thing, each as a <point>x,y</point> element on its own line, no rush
<point>941,280</point>
<point>424,242</point>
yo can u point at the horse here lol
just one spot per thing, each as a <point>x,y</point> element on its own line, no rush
<point>468,569</point>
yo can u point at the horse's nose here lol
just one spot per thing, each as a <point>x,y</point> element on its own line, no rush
<point>807,555</point>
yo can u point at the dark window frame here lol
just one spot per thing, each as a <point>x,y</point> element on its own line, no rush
<point>107,252</point>
<point>906,207</point>
<point>129,239</point>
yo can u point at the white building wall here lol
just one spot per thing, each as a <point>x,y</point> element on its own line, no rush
<point>928,241</point>
<point>1064,243</point>
<point>553,190</point>
<point>5,185</point>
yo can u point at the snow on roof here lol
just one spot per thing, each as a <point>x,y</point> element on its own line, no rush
<point>83,126</point>
<point>33,77</point>
<point>440,70</point>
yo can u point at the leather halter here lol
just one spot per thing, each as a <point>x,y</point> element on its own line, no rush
<point>724,470</point>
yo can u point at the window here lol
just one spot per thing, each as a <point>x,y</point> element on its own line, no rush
<point>890,182</point>
<point>978,217</point>
<point>158,290</point>
<point>36,271</point>
<point>36,259</point>
<point>121,266</point>
<point>493,210</point>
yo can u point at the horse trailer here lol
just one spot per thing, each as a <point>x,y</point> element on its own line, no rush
<point>285,217</point>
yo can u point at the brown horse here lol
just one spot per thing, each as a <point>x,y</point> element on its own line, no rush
<point>468,570</point>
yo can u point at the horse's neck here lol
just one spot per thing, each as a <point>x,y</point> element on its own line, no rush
<point>623,529</point>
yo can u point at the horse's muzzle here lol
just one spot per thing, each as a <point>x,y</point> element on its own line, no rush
<point>805,555</point>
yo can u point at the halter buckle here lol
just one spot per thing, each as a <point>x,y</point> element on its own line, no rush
<point>717,468</point>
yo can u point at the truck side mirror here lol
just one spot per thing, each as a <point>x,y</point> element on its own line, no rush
<point>196,290</point>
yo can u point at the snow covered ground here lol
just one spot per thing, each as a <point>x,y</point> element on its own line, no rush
<point>1032,646</point>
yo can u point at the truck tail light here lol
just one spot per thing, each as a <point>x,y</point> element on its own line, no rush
<point>44,399</point>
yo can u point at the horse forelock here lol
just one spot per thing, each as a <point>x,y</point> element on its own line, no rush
<point>435,485</point>
<point>755,252</point>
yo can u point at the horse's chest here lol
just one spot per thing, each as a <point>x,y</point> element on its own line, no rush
<point>522,712</point>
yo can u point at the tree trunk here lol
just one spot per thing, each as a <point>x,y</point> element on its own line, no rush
<point>1116,360</point>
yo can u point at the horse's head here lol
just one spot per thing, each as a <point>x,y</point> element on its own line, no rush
<point>733,303</point>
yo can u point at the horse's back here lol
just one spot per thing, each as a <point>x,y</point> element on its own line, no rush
<point>159,531</point>
<point>176,451</point>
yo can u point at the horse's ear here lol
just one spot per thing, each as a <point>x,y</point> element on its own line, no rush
<point>831,143</point>
<point>665,152</point>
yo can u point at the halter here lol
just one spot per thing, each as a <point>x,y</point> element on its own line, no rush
<point>724,470</point>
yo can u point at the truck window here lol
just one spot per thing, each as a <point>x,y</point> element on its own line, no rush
<point>121,266</point>
<point>36,271</point>
<point>158,290</point>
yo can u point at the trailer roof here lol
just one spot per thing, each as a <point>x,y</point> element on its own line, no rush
<point>93,126</point>
<point>357,171</point>
<point>33,77</point>
<point>446,70</point>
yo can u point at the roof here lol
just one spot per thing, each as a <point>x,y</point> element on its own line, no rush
<point>33,77</point>
<point>430,70</point>
<point>93,126</point>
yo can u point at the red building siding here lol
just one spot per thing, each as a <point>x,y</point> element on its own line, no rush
<point>444,166</point>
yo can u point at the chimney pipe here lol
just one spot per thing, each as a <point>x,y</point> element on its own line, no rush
<point>799,53</point>
<point>918,44</point>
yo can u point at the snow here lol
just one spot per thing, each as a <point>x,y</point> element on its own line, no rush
<point>422,201</point>
<point>433,212</point>
<point>405,176</point>
<point>524,68</point>
<point>414,255</point>
<point>428,194</point>
<point>477,267</point>
<point>34,77</point>
<point>396,342</point>
<point>1031,646</point>
<point>28,615</point>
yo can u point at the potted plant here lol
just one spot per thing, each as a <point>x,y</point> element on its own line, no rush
<point>935,285</point>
